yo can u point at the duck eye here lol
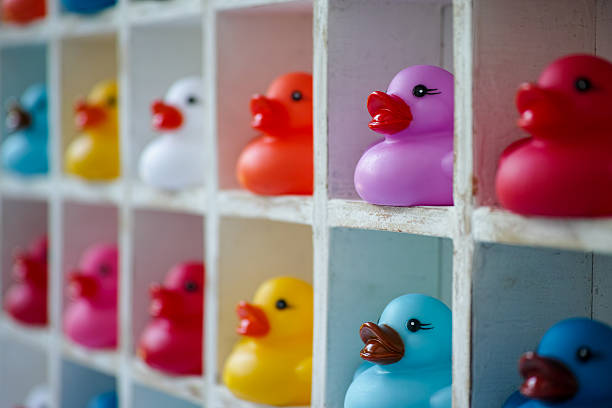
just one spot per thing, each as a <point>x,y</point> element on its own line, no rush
<point>584,354</point>
<point>191,286</point>
<point>111,101</point>
<point>583,84</point>
<point>414,325</point>
<point>419,91</point>
<point>281,304</point>
<point>104,270</point>
<point>192,100</point>
<point>296,96</point>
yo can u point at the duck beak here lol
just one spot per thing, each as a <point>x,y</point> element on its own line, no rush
<point>538,107</point>
<point>382,344</point>
<point>390,114</point>
<point>253,320</point>
<point>268,114</point>
<point>166,117</point>
<point>82,285</point>
<point>88,116</point>
<point>546,379</point>
<point>25,269</point>
<point>17,118</point>
<point>165,302</point>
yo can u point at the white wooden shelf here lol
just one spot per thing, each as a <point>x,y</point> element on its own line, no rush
<point>154,12</point>
<point>227,400</point>
<point>38,32</point>
<point>190,388</point>
<point>30,188</point>
<point>238,203</point>
<point>34,337</point>
<point>80,191</point>
<point>190,201</point>
<point>70,25</point>
<point>100,360</point>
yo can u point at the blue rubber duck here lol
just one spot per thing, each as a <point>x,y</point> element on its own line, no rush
<point>24,151</point>
<point>87,6</point>
<point>408,356</point>
<point>571,369</point>
<point>104,400</point>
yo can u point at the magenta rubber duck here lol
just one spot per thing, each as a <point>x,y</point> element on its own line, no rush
<point>565,168</point>
<point>91,316</point>
<point>172,342</point>
<point>26,299</point>
<point>413,164</point>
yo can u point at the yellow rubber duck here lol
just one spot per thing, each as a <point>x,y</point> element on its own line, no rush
<point>272,363</point>
<point>94,155</point>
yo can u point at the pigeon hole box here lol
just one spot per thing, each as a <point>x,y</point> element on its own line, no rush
<point>81,383</point>
<point>23,368</point>
<point>144,397</point>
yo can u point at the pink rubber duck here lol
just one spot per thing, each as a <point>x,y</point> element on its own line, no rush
<point>172,342</point>
<point>413,164</point>
<point>565,168</point>
<point>91,317</point>
<point>26,299</point>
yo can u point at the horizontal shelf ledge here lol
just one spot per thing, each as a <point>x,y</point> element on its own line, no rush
<point>73,189</point>
<point>295,209</point>
<point>73,25</point>
<point>189,388</point>
<point>26,188</point>
<point>191,201</point>
<point>225,399</point>
<point>104,361</point>
<point>142,13</point>
<point>433,221</point>
<point>496,225</point>
<point>289,5</point>
<point>12,35</point>
<point>35,337</point>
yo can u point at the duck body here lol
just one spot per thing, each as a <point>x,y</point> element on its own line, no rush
<point>104,400</point>
<point>23,11</point>
<point>87,6</point>
<point>79,325</point>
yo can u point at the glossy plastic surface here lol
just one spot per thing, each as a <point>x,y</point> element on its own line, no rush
<point>38,397</point>
<point>87,6</point>
<point>571,368</point>
<point>280,160</point>
<point>26,299</point>
<point>172,341</point>
<point>94,155</point>
<point>173,161</point>
<point>105,400</point>
<point>24,151</point>
<point>565,168</point>
<point>23,11</point>
<point>408,357</point>
<point>413,164</point>
<point>272,364</point>
<point>90,318</point>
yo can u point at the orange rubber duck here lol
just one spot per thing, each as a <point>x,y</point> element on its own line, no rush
<point>280,161</point>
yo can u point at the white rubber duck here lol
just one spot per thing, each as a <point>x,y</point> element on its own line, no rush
<point>174,161</point>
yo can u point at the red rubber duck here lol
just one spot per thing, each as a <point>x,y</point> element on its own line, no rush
<point>23,11</point>
<point>26,299</point>
<point>172,341</point>
<point>565,168</point>
<point>280,161</point>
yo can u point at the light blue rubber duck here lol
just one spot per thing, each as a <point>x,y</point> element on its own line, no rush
<point>105,400</point>
<point>24,151</point>
<point>408,356</point>
<point>571,369</point>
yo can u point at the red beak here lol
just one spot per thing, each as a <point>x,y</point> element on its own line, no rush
<point>382,344</point>
<point>546,379</point>
<point>165,302</point>
<point>268,114</point>
<point>166,117</point>
<point>88,116</point>
<point>26,269</point>
<point>253,320</point>
<point>82,285</point>
<point>538,107</point>
<point>390,114</point>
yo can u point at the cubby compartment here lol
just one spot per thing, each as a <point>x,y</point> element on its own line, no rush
<point>360,61</point>
<point>81,384</point>
<point>368,269</point>
<point>254,46</point>
<point>518,294</point>
<point>23,369</point>
<point>144,397</point>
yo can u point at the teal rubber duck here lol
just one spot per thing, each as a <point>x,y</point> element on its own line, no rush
<point>24,151</point>
<point>104,400</point>
<point>408,357</point>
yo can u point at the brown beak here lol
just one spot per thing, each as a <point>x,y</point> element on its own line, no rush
<point>17,118</point>
<point>546,379</point>
<point>382,344</point>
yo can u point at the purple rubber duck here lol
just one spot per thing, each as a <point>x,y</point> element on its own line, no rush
<point>413,165</point>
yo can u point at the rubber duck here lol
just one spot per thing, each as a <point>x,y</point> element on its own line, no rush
<point>174,160</point>
<point>23,11</point>
<point>38,397</point>
<point>104,400</point>
<point>24,151</point>
<point>272,363</point>
<point>280,160</point>
<point>94,155</point>
<point>413,164</point>
<point>87,6</point>
<point>408,356</point>
<point>91,316</point>
<point>26,299</point>
<point>571,368</point>
<point>172,341</point>
<point>565,168</point>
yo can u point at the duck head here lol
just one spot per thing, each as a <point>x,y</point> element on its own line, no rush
<point>281,310</point>
<point>572,99</point>
<point>96,280</point>
<point>181,297</point>
<point>573,363</point>
<point>31,266</point>
<point>286,108</point>
<point>419,100</point>
<point>181,110</point>
<point>414,330</point>
<point>97,115</point>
